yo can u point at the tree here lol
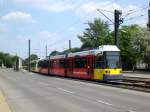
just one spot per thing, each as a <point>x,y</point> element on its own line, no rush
<point>76,49</point>
<point>98,33</point>
<point>32,57</point>
<point>144,45</point>
<point>7,60</point>
<point>53,53</point>
<point>129,45</point>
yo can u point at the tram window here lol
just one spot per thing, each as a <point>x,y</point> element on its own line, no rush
<point>99,63</point>
<point>50,64</point>
<point>47,64</point>
<point>62,63</point>
<point>40,64</point>
<point>44,64</point>
<point>55,63</point>
<point>80,63</point>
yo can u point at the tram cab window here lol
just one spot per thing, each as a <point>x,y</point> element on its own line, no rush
<point>112,59</point>
<point>81,62</point>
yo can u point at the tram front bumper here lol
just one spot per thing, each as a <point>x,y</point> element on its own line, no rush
<point>108,77</point>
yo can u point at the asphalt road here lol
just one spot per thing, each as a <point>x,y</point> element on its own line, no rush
<point>30,92</point>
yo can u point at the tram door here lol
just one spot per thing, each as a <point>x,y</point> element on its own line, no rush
<point>90,65</point>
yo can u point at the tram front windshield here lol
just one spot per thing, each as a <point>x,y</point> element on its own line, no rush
<point>112,59</point>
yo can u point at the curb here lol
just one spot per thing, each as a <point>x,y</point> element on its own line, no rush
<point>4,107</point>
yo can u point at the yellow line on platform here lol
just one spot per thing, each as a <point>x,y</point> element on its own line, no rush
<point>4,107</point>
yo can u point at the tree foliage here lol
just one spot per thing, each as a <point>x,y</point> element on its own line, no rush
<point>144,45</point>
<point>97,33</point>
<point>53,53</point>
<point>7,60</point>
<point>129,38</point>
<point>32,57</point>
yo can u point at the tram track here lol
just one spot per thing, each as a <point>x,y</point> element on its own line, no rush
<point>134,83</point>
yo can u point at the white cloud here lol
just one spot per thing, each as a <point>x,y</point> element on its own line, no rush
<point>88,10</point>
<point>17,16</point>
<point>49,5</point>
<point>92,6</point>
<point>58,7</point>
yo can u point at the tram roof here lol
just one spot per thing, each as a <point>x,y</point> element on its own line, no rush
<point>58,56</point>
<point>100,50</point>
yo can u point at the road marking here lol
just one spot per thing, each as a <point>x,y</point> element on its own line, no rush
<point>66,90</point>
<point>103,102</point>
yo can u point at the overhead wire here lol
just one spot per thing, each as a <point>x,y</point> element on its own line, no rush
<point>135,17</point>
<point>134,11</point>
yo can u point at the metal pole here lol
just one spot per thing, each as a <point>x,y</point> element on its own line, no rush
<point>29,64</point>
<point>46,51</point>
<point>116,27</point>
<point>148,24</point>
<point>117,22</point>
<point>70,45</point>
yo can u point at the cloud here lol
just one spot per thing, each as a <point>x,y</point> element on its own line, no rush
<point>17,16</point>
<point>88,11</point>
<point>58,7</point>
<point>49,5</point>
<point>92,6</point>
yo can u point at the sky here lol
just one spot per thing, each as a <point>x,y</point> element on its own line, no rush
<point>55,22</point>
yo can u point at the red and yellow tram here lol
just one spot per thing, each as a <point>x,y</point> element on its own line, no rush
<point>99,64</point>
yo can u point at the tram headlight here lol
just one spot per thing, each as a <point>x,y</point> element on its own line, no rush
<point>107,71</point>
<point>120,71</point>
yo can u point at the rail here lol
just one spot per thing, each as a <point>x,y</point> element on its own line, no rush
<point>135,83</point>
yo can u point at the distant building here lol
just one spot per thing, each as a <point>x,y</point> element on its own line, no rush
<point>141,65</point>
<point>20,63</point>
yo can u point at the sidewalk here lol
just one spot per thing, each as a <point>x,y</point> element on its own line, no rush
<point>3,104</point>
